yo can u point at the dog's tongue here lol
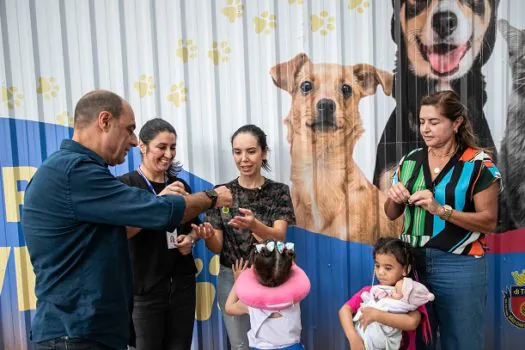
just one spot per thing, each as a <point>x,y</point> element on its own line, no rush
<point>446,62</point>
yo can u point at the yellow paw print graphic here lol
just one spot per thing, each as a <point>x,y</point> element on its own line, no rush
<point>220,52</point>
<point>206,290</point>
<point>11,97</point>
<point>186,50</point>
<point>298,2</point>
<point>145,86</point>
<point>264,23</point>
<point>177,94</point>
<point>47,87</point>
<point>65,118</point>
<point>324,23</point>
<point>233,10</point>
<point>358,5</point>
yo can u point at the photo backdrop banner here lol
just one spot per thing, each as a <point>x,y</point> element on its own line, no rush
<point>211,66</point>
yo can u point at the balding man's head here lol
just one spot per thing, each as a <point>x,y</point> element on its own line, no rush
<point>93,103</point>
<point>105,123</point>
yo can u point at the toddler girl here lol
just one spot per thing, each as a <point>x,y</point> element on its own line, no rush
<point>393,262</point>
<point>272,263</point>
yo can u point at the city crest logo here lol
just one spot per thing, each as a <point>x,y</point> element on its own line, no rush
<point>514,300</point>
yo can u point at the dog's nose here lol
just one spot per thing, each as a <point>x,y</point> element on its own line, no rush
<point>325,110</point>
<point>444,23</point>
<point>326,106</point>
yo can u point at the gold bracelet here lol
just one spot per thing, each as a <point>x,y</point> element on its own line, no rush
<point>447,212</point>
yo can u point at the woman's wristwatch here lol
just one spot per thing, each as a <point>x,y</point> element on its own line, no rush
<point>447,212</point>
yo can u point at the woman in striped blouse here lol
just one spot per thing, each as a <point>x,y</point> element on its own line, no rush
<point>448,191</point>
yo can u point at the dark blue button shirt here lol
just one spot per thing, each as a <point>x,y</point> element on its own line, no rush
<point>74,219</point>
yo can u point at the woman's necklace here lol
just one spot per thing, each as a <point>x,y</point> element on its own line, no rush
<point>253,186</point>
<point>436,170</point>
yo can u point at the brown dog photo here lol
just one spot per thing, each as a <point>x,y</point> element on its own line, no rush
<point>330,193</point>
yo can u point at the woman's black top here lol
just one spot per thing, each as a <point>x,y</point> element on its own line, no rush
<point>151,260</point>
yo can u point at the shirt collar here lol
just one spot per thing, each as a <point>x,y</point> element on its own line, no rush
<point>265,183</point>
<point>76,147</point>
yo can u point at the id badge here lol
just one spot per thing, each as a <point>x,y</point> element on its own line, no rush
<point>172,239</point>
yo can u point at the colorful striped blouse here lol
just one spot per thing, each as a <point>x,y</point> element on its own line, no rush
<point>466,173</point>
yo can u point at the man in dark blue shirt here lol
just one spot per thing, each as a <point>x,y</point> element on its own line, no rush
<point>74,220</point>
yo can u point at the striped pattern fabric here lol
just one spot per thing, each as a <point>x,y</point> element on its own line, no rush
<point>468,172</point>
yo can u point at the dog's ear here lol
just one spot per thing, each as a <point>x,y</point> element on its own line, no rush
<point>369,77</point>
<point>283,74</point>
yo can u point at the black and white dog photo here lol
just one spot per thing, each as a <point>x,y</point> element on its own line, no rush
<point>441,45</point>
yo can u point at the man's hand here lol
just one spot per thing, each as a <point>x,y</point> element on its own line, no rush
<point>224,197</point>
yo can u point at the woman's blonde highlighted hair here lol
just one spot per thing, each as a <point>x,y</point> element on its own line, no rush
<point>449,105</point>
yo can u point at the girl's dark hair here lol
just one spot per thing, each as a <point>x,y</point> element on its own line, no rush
<point>271,267</point>
<point>259,135</point>
<point>449,105</point>
<point>150,130</point>
<point>402,251</point>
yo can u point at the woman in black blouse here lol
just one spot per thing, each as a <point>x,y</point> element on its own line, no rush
<point>262,209</point>
<point>162,262</point>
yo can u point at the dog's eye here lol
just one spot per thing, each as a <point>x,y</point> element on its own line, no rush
<point>478,6</point>
<point>346,90</point>
<point>306,86</point>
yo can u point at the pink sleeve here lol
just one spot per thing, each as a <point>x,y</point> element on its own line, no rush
<point>409,342</point>
<point>355,301</point>
<point>425,324</point>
